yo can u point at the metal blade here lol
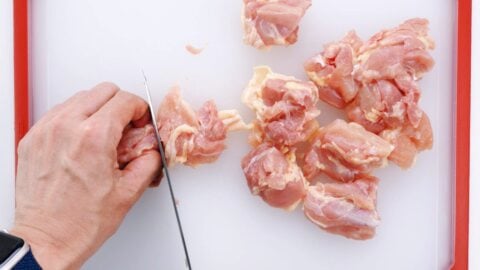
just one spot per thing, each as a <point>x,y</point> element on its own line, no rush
<point>167,175</point>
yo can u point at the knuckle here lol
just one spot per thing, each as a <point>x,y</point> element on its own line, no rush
<point>90,135</point>
<point>89,129</point>
<point>56,127</point>
<point>23,146</point>
<point>125,96</point>
<point>107,86</point>
<point>34,137</point>
<point>57,107</point>
<point>80,93</point>
<point>130,98</point>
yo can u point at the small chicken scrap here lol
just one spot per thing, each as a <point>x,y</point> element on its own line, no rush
<point>272,22</point>
<point>190,138</point>
<point>348,209</point>
<point>376,83</point>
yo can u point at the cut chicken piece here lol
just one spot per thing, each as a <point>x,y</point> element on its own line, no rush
<point>422,135</point>
<point>400,57</point>
<point>344,151</point>
<point>274,176</point>
<point>376,83</point>
<point>209,141</point>
<point>191,138</point>
<point>178,125</point>
<point>405,151</point>
<point>399,54</point>
<point>396,52</point>
<point>381,105</point>
<point>408,141</point>
<point>134,142</point>
<point>347,209</point>
<point>194,138</point>
<point>272,22</point>
<point>332,70</point>
<point>285,107</point>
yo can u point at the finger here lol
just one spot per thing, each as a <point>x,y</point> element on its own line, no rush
<point>94,99</point>
<point>139,174</point>
<point>83,103</point>
<point>59,108</point>
<point>118,112</point>
<point>145,119</point>
<point>157,179</point>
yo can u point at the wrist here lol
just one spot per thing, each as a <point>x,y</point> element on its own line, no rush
<point>48,253</point>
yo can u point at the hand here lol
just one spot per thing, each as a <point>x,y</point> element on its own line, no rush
<point>71,195</point>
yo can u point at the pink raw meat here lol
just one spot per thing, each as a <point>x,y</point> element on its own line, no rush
<point>347,209</point>
<point>332,70</point>
<point>376,83</point>
<point>274,176</point>
<point>191,138</point>
<point>345,151</point>
<point>135,142</point>
<point>272,22</point>
<point>285,108</point>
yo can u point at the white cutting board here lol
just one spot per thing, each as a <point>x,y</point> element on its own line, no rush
<point>76,44</point>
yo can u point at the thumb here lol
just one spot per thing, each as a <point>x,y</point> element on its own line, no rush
<point>140,173</point>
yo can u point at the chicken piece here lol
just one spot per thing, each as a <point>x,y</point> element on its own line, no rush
<point>191,138</point>
<point>194,138</point>
<point>285,107</point>
<point>396,52</point>
<point>400,57</point>
<point>332,70</point>
<point>177,124</point>
<point>134,142</point>
<point>274,176</point>
<point>382,105</point>
<point>344,151</point>
<point>422,135</point>
<point>209,141</point>
<point>376,83</point>
<point>272,22</point>
<point>405,151</point>
<point>399,54</point>
<point>347,209</point>
<point>408,141</point>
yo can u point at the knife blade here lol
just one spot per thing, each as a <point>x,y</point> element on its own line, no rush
<point>165,168</point>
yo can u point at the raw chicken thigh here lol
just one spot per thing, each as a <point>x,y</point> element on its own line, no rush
<point>285,110</point>
<point>332,70</point>
<point>376,82</point>
<point>345,151</point>
<point>285,128</point>
<point>134,142</point>
<point>274,176</point>
<point>272,22</point>
<point>348,209</point>
<point>285,107</point>
<point>189,137</point>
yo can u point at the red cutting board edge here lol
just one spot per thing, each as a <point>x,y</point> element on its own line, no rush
<point>462,158</point>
